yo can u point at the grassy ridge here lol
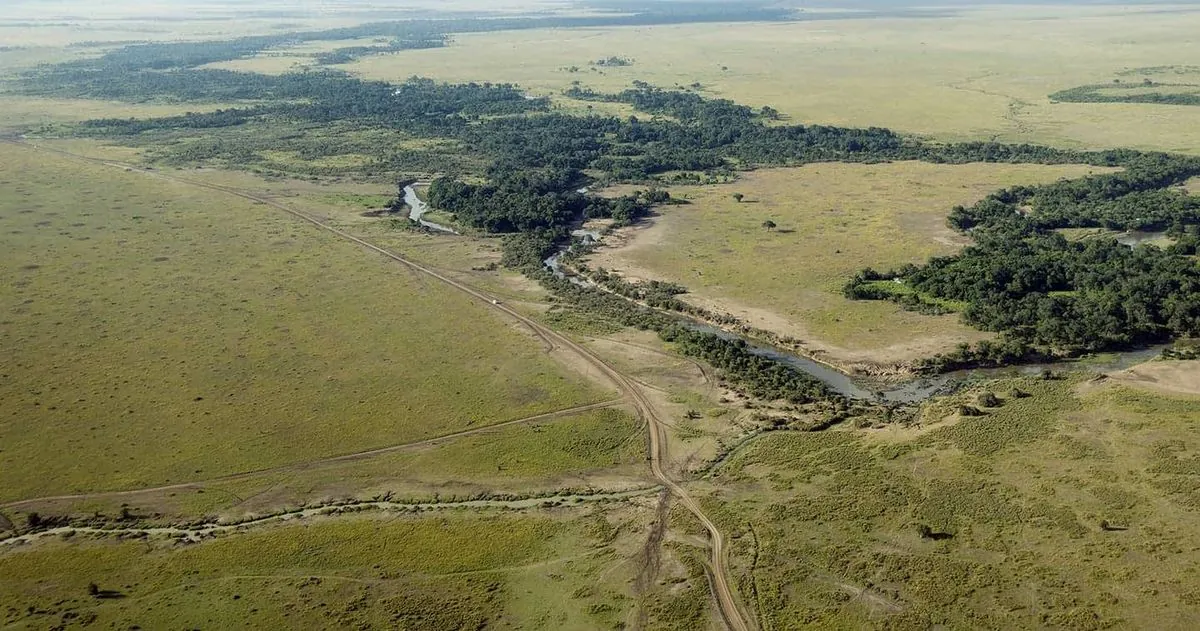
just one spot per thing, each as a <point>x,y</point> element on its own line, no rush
<point>1086,491</point>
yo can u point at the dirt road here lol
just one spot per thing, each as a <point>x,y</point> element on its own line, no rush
<point>724,594</point>
<point>301,466</point>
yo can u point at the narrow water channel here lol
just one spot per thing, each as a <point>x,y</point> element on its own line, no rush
<point>418,209</point>
<point>912,391</point>
<point>922,388</point>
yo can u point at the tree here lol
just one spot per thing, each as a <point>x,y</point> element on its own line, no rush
<point>738,197</point>
<point>93,590</point>
<point>769,225</point>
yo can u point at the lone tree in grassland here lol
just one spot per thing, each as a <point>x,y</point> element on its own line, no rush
<point>769,225</point>
<point>738,197</point>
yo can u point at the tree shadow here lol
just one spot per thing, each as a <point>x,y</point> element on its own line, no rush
<point>926,532</point>
<point>109,594</point>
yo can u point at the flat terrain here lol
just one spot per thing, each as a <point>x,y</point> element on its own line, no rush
<point>833,220</point>
<point>160,334</point>
<point>1072,508</point>
<point>186,366</point>
<point>30,112</point>
<point>1171,377</point>
<point>440,571</point>
<point>984,74</point>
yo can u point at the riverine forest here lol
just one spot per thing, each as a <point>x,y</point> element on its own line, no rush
<point>601,314</point>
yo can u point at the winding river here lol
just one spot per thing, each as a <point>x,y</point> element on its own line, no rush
<point>912,391</point>
<point>418,208</point>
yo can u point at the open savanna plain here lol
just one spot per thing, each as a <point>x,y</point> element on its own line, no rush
<point>981,73</point>
<point>1068,505</point>
<point>239,390</point>
<point>146,321</point>
<point>832,221</point>
<point>176,353</point>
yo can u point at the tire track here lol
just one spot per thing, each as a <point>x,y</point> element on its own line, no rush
<point>311,464</point>
<point>726,600</point>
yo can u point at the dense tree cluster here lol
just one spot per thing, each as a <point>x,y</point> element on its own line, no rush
<point>544,201</point>
<point>420,106</point>
<point>1138,198</point>
<point>347,54</point>
<point>1130,93</point>
<point>1043,291</point>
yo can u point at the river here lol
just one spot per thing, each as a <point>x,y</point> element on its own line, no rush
<point>912,391</point>
<point>418,208</point>
<point>921,388</point>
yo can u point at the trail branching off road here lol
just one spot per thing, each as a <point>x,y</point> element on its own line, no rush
<point>310,464</point>
<point>727,602</point>
<point>197,533</point>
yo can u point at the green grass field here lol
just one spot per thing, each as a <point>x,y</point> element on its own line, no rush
<point>441,571</point>
<point>160,334</point>
<point>833,220</point>
<point>986,73</point>
<point>600,449</point>
<point>1023,493</point>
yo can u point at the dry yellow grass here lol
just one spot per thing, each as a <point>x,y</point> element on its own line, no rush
<point>1171,377</point>
<point>984,74</point>
<point>25,112</point>
<point>833,220</point>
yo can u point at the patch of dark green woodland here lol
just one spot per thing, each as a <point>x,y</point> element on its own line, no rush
<point>524,200</point>
<point>1129,93</point>
<point>1050,295</point>
<point>421,106</point>
<point>348,54</point>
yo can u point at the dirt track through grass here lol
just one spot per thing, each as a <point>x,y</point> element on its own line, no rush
<point>727,600</point>
<point>362,455</point>
<point>160,335</point>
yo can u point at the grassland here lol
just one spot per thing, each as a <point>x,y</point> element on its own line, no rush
<point>158,333</point>
<point>1071,508</point>
<point>833,220</point>
<point>21,112</point>
<point>161,334</point>
<point>448,571</point>
<point>986,73</point>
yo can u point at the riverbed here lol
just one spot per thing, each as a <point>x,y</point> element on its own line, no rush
<point>417,210</point>
<point>911,391</point>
